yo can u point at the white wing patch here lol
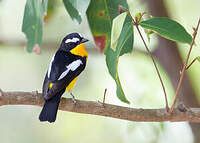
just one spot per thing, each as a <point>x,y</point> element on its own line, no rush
<point>49,70</point>
<point>74,40</point>
<point>73,66</point>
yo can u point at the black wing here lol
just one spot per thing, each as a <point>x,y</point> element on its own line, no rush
<point>56,75</point>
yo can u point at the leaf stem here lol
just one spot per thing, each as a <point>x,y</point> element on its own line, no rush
<point>184,68</point>
<point>161,81</point>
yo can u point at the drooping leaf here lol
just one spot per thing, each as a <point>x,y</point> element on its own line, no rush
<point>50,9</point>
<point>33,22</point>
<point>100,14</point>
<point>167,28</point>
<point>123,43</point>
<point>71,8</point>
<point>45,6</point>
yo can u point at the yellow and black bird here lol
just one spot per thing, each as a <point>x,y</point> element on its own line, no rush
<point>64,69</point>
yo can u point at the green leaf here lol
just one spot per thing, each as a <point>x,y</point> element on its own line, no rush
<point>71,8</point>
<point>116,29</point>
<point>33,22</point>
<point>45,6</point>
<point>100,14</point>
<point>168,29</point>
<point>50,9</point>
<point>123,44</point>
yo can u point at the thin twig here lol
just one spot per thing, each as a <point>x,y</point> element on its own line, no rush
<point>104,97</point>
<point>142,14</point>
<point>184,68</point>
<point>163,86</point>
<point>129,14</point>
<point>191,63</point>
<point>136,23</point>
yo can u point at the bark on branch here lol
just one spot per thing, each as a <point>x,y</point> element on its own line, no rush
<point>114,111</point>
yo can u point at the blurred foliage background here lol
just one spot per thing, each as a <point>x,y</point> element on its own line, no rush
<point>22,71</point>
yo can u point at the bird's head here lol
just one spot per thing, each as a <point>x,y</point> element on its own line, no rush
<point>71,41</point>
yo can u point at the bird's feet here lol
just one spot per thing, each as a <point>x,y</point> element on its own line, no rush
<point>73,98</point>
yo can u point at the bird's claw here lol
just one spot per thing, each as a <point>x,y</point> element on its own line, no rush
<point>73,98</point>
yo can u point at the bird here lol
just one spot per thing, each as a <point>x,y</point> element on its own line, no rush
<point>64,68</point>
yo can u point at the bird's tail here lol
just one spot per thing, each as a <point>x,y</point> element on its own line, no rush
<point>50,108</point>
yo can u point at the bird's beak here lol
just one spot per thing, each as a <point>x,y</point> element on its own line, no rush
<point>84,40</point>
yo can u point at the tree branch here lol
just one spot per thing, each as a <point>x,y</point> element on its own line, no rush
<point>114,111</point>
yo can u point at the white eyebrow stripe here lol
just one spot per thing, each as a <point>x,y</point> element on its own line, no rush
<point>49,70</point>
<point>73,66</point>
<point>74,40</point>
<point>80,35</point>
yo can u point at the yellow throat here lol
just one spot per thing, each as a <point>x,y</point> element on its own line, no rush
<point>80,50</point>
